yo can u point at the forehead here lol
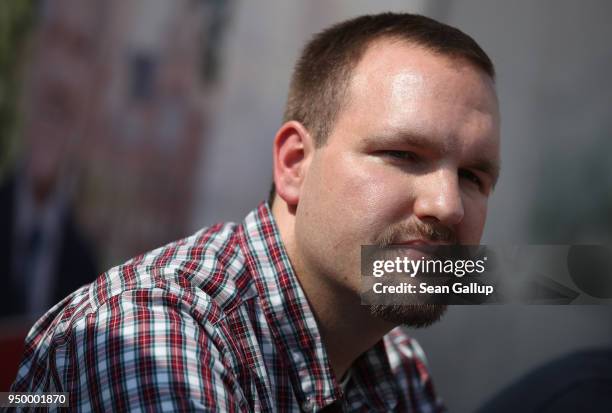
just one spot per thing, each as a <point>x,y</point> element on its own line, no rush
<point>394,70</point>
<point>401,86</point>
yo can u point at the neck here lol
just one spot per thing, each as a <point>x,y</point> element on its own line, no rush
<point>347,328</point>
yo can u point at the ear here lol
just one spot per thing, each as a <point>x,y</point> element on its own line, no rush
<point>292,150</point>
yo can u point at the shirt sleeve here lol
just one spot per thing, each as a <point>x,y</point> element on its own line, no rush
<point>141,351</point>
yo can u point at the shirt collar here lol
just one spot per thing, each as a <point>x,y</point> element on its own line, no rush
<point>294,326</point>
<point>373,379</point>
<point>290,318</point>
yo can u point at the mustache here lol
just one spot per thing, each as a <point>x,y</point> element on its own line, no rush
<point>432,232</point>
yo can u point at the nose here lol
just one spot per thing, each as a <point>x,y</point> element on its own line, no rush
<point>439,198</point>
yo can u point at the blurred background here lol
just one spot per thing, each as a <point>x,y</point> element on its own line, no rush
<point>125,124</point>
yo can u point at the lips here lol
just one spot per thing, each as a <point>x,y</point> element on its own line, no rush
<point>414,242</point>
<point>424,248</point>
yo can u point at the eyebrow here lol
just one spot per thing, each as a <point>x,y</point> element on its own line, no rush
<point>485,165</point>
<point>409,138</point>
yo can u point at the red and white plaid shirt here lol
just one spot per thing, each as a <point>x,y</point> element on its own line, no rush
<point>214,322</point>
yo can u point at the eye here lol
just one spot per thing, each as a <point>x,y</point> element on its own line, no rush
<point>401,155</point>
<point>470,176</point>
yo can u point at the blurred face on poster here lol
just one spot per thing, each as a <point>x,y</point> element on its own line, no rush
<point>60,75</point>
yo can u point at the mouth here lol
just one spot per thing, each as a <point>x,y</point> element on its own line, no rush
<point>419,242</point>
<point>423,248</point>
<point>413,242</point>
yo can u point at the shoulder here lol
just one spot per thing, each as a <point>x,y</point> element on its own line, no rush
<point>154,318</point>
<point>203,271</point>
<point>197,275</point>
<point>203,275</point>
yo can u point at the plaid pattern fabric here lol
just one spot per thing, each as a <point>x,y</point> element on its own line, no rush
<point>214,322</point>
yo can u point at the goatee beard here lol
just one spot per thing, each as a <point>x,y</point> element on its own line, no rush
<point>410,315</point>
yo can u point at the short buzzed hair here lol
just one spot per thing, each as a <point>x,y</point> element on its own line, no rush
<point>323,71</point>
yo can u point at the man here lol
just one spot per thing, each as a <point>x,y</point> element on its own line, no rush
<point>391,136</point>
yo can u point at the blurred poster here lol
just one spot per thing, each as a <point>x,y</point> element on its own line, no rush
<point>109,124</point>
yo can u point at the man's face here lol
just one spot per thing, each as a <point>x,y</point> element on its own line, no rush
<point>412,158</point>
